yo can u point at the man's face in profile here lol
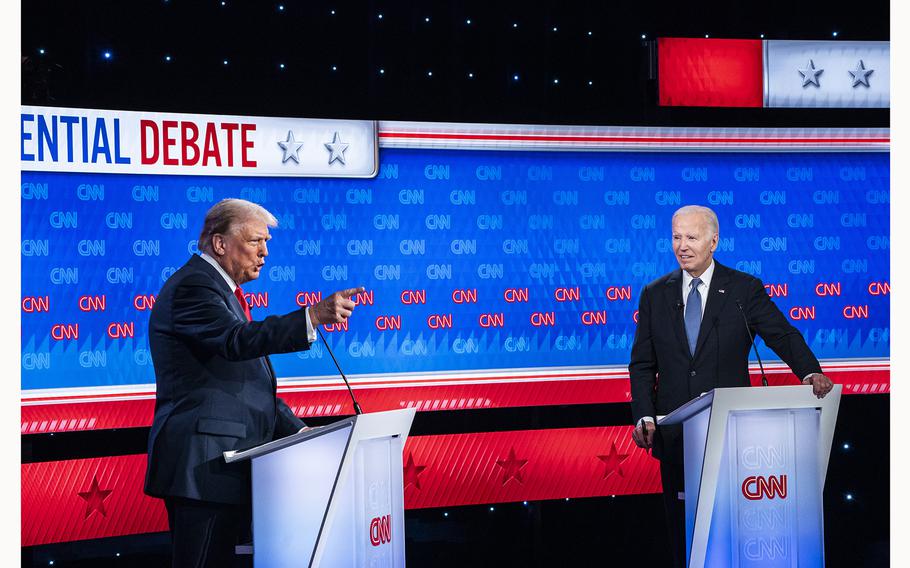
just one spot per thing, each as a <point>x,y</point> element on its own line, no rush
<point>242,252</point>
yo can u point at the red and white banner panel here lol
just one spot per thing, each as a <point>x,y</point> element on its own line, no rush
<point>129,142</point>
<point>773,73</point>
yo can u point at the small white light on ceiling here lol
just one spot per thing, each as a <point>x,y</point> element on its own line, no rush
<point>427,19</point>
<point>706,36</point>
<point>382,71</point>
<point>555,28</point>
<point>334,68</point>
<point>429,73</point>
<point>590,33</point>
<point>167,57</point>
<point>644,36</point>
<point>281,65</point>
<point>834,34</point>
<point>380,16</point>
<point>41,51</point>
<point>515,24</point>
<point>107,54</point>
<point>555,81</point>
<point>225,62</point>
<point>468,21</point>
<point>281,7</point>
<point>470,75</point>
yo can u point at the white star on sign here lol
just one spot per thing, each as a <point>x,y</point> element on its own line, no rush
<point>860,74</point>
<point>810,74</point>
<point>337,148</point>
<point>290,147</point>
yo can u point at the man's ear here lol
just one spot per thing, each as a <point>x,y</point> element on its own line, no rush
<point>218,244</point>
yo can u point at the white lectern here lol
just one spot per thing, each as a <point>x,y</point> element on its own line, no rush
<point>331,496</point>
<point>755,465</point>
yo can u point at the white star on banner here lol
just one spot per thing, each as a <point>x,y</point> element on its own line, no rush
<point>810,74</point>
<point>860,74</point>
<point>290,147</point>
<point>336,148</point>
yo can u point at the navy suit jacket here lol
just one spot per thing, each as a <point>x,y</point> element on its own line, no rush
<point>664,375</point>
<point>216,389</point>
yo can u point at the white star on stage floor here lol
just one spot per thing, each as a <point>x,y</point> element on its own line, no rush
<point>860,74</point>
<point>810,74</point>
<point>336,148</point>
<point>290,147</point>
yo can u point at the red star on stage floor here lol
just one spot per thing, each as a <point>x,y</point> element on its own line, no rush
<point>512,467</point>
<point>613,461</point>
<point>411,472</point>
<point>94,498</point>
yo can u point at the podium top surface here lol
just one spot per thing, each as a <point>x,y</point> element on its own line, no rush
<point>368,425</point>
<point>281,443</point>
<point>753,398</point>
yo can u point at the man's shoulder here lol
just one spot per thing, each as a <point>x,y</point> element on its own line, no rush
<point>195,272</point>
<point>724,271</point>
<point>667,278</point>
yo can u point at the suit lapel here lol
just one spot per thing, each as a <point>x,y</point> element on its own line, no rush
<point>201,264</point>
<point>673,290</point>
<point>717,297</point>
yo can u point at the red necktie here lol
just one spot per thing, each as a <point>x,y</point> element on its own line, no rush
<point>246,307</point>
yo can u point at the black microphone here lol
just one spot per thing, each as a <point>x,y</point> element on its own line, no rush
<point>764,379</point>
<point>357,409</point>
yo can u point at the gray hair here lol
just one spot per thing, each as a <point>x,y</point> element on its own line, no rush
<point>706,212</point>
<point>227,215</point>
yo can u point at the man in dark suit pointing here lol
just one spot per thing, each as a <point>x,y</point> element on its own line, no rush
<point>692,337</point>
<point>215,386</point>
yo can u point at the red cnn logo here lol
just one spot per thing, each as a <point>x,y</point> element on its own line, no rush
<point>756,487</point>
<point>381,530</point>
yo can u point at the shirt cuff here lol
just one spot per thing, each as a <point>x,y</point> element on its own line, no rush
<point>644,419</point>
<point>310,330</point>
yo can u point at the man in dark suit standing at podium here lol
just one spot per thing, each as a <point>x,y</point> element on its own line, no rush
<point>692,337</point>
<point>216,389</point>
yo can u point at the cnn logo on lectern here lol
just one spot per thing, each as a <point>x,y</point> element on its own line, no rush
<point>381,530</point>
<point>756,487</point>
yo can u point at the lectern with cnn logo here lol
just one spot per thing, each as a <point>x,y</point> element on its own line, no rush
<point>755,465</point>
<point>331,496</point>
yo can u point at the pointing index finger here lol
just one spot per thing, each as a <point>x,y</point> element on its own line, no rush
<point>351,291</point>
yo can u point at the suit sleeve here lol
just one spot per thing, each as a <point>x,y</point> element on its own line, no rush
<point>287,423</point>
<point>200,315</point>
<point>643,363</point>
<point>785,340</point>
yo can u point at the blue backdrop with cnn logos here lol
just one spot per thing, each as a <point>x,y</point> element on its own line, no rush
<point>471,259</point>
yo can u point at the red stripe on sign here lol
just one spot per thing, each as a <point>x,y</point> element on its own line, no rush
<point>631,139</point>
<point>525,465</point>
<point>89,498</point>
<point>710,72</point>
<point>483,392</point>
<point>102,497</point>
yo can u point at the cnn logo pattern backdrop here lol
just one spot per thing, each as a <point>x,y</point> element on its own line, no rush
<point>471,259</point>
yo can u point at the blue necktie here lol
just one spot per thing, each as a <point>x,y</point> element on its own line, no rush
<point>693,314</point>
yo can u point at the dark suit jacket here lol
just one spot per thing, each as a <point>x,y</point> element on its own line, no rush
<point>215,386</point>
<point>662,373</point>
